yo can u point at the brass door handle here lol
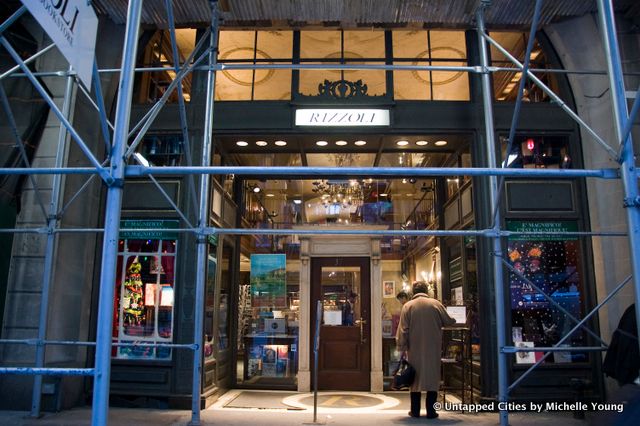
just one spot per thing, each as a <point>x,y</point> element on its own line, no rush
<point>361,322</point>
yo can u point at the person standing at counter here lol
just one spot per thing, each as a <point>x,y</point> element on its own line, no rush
<point>402,297</point>
<point>419,336</point>
<point>348,309</point>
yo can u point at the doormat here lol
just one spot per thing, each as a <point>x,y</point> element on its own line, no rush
<point>262,400</point>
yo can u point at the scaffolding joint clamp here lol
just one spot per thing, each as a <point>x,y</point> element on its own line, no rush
<point>115,183</point>
<point>631,201</point>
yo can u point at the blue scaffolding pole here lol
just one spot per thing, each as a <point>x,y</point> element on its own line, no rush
<point>490,150</point>
<point>101,379</point>
<point>203,220</point>
<point>628,170</point>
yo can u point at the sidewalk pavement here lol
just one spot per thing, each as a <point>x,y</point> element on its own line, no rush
<point>232,417</point>
<point>337,408</point>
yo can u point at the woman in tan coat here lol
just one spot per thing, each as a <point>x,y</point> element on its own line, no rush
<point>420,336</point>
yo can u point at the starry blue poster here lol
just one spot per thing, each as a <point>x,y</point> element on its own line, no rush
<point>546,277</point>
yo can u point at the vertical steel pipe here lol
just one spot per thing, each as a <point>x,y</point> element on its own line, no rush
<point>100,411</point>
<point>203,219</point>
<point>47,274</point>
<point>493,194</point>
<point>628,171</point>
<point>518,104</point>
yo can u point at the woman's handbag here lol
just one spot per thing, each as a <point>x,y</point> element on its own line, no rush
<point>404,375</point>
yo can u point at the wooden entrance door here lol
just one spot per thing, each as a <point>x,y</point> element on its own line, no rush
<point>342,284</point>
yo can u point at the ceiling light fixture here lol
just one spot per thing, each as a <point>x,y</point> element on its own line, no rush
<point>242,143</point>
<point>341,143</point>
<point>422,143</point>
<point>270,195</point>
<point>261,143</point>
<point>322,143</point>
<point>280,143</point>
<point>256,189</point>
<point>297,201</point>
<point>360,143</point>
<point>402,143</point>
<point>440,143</point>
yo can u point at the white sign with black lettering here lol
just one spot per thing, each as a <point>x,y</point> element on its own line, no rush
<point>72,25</point>
<point>342,117</point>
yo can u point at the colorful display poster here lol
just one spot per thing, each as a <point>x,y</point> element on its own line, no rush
<point>268,280</point>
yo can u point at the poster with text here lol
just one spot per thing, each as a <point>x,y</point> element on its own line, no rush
<point>268,280</point>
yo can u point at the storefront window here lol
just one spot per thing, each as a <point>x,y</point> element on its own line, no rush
<point>430,48</point>
<point>222,337</point>
<point>548,152</point>
<point>254,47</point>
<point>548,280</point>
<point>162,149</point>
<point>144,295</point>
<point>151,86</point>
<point>392,284</point>
<point>268,320</point>
<point>342,47</point>
<point>210,304</point>
<point>506,83</point>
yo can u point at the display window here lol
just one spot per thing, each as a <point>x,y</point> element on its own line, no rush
<point>268,320</point>
<point>546,286</point>
<point>143,311</point>
<point>212,263</point>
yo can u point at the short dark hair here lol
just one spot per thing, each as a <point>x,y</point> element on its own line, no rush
<point>420,287</point>
<point>402,295</point>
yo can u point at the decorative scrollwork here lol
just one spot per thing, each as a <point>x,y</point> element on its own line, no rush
<point>342,89</point>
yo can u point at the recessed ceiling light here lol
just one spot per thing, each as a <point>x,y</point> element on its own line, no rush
<point>440,143</point>
<point>322,143</point>
<point>297,201</point>
<point>409,195</point>
<point>242,143</point>
<point>341,143</point>
<point>271,195</point>
<point>256,189</point>
<point>384,194</point>
<point>261,143</point>
<point>280,143</point>
<point>402,143</point>
<point>360,143</point>
<point>421,143</point>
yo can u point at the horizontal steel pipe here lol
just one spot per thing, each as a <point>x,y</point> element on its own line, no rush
<point>321,230</point>
<point>369,172</point>
<point>156,345</point>
<point>30,371</point>
<point>36,342</point>
<point>137,171</point>
<point>514,349</point>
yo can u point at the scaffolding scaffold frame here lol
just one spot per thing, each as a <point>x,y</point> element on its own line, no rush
<point>114,170</point>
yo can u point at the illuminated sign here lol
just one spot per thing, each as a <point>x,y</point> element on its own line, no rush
<point>342,117</point>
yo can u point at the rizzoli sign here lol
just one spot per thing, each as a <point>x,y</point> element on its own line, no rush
<point>342,117</point>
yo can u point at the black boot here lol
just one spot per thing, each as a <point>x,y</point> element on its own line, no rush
<point>432,397</point>
<point>415,404</point>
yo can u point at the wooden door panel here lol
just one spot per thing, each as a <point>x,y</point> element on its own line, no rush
<point>344,360</point>
<point>340,356</point>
